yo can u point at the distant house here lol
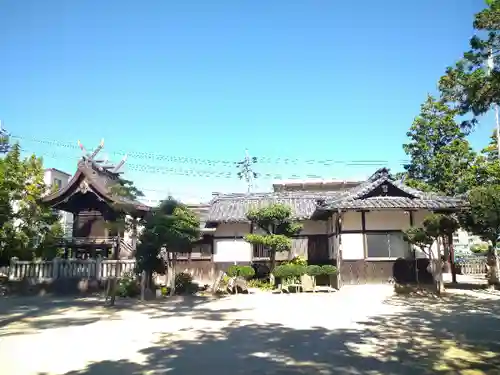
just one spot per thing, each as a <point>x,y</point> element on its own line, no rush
<point>356,225</point>
<point>56,179</point>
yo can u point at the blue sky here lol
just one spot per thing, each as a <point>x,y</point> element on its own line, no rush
<point>203,80</point>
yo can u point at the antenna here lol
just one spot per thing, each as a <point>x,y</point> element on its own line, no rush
<point>246,172</point>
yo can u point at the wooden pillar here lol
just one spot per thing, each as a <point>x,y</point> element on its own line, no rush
<point>363,231</point>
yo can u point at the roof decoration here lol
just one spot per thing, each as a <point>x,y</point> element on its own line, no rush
<point>96,176</point>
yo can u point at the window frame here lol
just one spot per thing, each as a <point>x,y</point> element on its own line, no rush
<point>387,235</point>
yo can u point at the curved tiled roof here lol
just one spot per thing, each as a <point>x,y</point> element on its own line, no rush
<point>234,207</point>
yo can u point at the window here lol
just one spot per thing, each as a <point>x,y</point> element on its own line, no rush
<point>387,245</point>
<point>259,251</point>
<point>57,183</point>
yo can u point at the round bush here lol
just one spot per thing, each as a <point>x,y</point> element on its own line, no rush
<point>262,271</point>
<point>298,260</point>
<point>328,269</point>
<point>184,283</point>
<point>282,271</point>
<point>314,270</point>
<point>244,271</point>
<point>401,271</point>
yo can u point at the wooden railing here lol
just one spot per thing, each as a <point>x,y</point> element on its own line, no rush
<point>70,268</point>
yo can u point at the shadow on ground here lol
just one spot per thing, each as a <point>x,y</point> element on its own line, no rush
<point>458,334</point>
<point>27,315</point>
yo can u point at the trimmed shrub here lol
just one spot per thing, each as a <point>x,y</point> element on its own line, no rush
<point>128,286</point>
<point>262,271</point>
<point>184,284</point>
<point>246,272</point>
<point>289,272</point>
<point>298,261</point>
<point>314,270</point>
<point>328,269</point>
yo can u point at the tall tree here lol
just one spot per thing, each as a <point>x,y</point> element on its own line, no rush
<point>483,219</point>
<point>473,83</point>
<point>25,222</point>
<point>277,224</point>
<point>170,229</point>
<point>438,149</point>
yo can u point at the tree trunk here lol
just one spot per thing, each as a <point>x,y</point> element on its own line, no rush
<point>439,270</point>
<point>452,259</point>
<point>272,260</point>
<point>172,280</point>
<point>493,267</point>
<point>115,278</point>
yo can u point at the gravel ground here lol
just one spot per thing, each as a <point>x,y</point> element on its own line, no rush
<point>359,330</point>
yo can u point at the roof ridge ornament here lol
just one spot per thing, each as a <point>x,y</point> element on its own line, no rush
<point>380,173</point>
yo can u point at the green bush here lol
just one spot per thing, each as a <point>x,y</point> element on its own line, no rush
<point>298,261</point>
<point>328,269</point>
<point>244,271</point>
<point>314,270</point>
<point>289,272</point>
<point>184,284</point>
<point>261,284</point>
<point>128,286</point>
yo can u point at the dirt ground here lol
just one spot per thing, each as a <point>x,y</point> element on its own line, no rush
<point>359,330</point>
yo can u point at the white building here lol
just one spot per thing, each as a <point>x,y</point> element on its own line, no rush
<point>462,241</point>
<point>55,178</point>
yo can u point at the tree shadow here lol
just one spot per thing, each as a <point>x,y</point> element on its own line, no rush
<point>456,334</point>
<point>27,315</point>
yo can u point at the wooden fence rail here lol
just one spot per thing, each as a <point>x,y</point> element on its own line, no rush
<point>69,268</point>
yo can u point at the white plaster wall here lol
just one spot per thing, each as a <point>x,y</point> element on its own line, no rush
<point>232,230</point>
<point>387,220</point>
<point>351,220</point>
<point>352,246</point>
<point>232,250</point>
<point>314,227</point>
<point>419,216</point>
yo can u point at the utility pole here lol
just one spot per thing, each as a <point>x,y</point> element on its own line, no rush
<point>245,170</point>
<point>490,69</point>
<point>4,140</point>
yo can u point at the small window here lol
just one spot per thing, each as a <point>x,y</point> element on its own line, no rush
<point>387,245</point>
<point>57,183</point>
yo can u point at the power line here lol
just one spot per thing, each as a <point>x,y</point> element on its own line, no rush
<point>156,169</point>
<point>215,162</point>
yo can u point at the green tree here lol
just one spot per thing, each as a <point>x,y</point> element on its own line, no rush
<point>126,193</point>
<point>472,84</point>
<point>170,229</point>
<point>276,222</point>
<point>483,219</point>
<point>438,149</point>
<point>25,221</point>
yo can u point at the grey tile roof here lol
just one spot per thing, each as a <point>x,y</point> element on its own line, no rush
<point>415,199</point>
<point>233,207</point>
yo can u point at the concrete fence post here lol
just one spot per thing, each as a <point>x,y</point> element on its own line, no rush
<point>55,268</point>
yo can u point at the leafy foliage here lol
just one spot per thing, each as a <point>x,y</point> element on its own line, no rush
<point>438,149</point>
<point>244,271</point>
<point>25,222</point>
<point>313,270</point>
<point>328,269</point>
<point>480,248</point>
<point>483,215</point>
<point>471,85</point>
<point>173,227</point>
<point>275,221</point>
